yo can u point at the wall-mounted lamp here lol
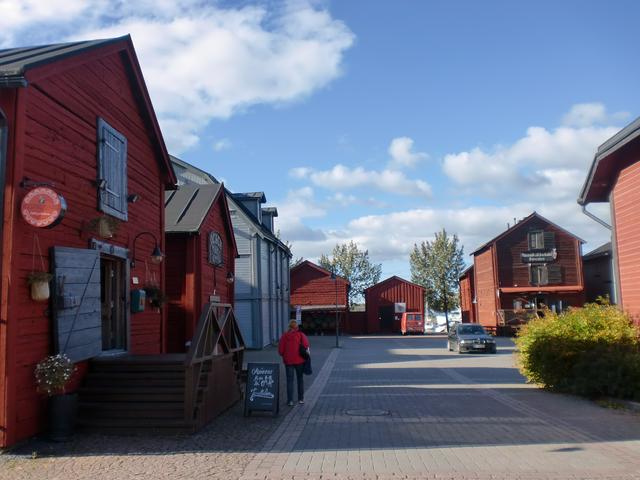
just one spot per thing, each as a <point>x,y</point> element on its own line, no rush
<point>133,198</point>
<point>230,277</point>
<point>156,254</point>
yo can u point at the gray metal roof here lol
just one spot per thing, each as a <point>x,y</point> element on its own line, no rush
<point>15,62</point>
<point>191,174</point>
<point>601,251</point>
<point>270,211</point>
<point>187,207</point>
<point>255,195</point>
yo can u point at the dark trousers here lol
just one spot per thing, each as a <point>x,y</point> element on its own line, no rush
<point>290,369</point>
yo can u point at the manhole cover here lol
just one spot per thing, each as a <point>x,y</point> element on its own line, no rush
<point>368,412</point>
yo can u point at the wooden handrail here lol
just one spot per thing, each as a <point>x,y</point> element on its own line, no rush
<point>216,334</point>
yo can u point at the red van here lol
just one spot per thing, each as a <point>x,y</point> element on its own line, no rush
<point>412,322</point>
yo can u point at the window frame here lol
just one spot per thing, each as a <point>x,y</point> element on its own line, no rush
<point>213,235</point>
<point>535,238</point>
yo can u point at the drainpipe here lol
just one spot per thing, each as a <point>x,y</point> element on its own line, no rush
<point>594,218</point>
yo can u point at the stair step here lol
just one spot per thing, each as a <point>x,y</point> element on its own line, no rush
<point>116,381</point>
<point>137,367</point>
<point>131,410</point>
<point>143,397</point>
<point>132,423</point>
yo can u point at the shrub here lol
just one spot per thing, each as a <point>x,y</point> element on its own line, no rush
<point>53,373</point>
<point>591,351</point>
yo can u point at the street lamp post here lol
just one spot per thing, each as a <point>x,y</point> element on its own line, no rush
<point>334,277</point>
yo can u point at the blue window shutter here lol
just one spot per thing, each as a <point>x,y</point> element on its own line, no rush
<point>112,171</point>
<point>77,317</point>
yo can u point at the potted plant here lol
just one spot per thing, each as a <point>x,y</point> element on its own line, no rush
<point>39,283</point>
<point>105,226</point>
<point>155,295</point>
<point>52,376</point>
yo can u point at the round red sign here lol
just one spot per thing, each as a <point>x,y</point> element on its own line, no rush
<point>42,207</point>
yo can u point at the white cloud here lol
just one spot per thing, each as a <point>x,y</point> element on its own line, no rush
<point>299,205</point>
<point>588,114</point>
<point>390,237</point>
<point>551,161</point>
<point>200,61</point>
<point>222,144</point>
<point>341,177</point>
<point>402,155</point>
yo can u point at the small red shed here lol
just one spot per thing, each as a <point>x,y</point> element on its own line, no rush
<point>535,264</point>
<point>467,296</point>
<point>614,177</point>
<point>201,253</point>
<point>319,297</point>
<point>77,133</point>
<point>388,300</point>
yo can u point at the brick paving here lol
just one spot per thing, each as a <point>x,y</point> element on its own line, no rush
<point>447,416</point>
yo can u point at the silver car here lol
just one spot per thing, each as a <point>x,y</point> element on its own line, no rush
<point>470,337</point>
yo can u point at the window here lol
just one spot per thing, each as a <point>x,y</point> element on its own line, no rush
<point>216,257</point>
<point>538,275</point>
<point>112,171</point>
<point>536,240</point>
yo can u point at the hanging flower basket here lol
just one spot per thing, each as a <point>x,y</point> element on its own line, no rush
<point>104,226</point>
<point>155,296</point>
<point>39,283</point>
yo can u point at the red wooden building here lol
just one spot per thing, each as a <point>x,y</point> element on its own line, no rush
<point>467,296</point>
<point>78,122</point>
<point>530,266</point>
<point>614,177</point>
<point>319,297</point>
<point>201,253</point>
<point>77,129</point>
<point>387,300</point>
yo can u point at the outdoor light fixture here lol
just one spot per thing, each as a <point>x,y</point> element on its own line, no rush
<point>133,198</point>
<point>230,277</point>
<point>156,254</point>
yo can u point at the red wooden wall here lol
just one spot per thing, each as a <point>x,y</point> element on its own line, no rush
<point>191,279</point>
<point>513,273</point>
<point>53,139</point>
<point>312,285</point>
<point>626,198</point>
<point>390,291</point>
<point>467,296</point>
<point>485,286</point>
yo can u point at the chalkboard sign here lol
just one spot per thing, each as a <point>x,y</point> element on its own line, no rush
<point>263,388</point>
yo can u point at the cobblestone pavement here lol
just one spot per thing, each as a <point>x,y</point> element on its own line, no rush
<point>220,451</point>
<point>443,415</point>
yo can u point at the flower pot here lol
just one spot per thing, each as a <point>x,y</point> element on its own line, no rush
<point>40,291</point>
<point>62,416</point>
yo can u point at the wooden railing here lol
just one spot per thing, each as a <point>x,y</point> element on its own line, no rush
<point>217,337</point>
<point>515,318</point>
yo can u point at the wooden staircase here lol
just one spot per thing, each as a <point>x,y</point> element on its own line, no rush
<point>171,393</point>
<point>130,394</point>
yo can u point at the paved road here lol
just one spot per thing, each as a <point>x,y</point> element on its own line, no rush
<point>444,416</point>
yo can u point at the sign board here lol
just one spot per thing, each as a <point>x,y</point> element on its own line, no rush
<point>263,388</point>
<point>42,207</point>
<point>400,307</point>
<point>545,256</point>
<point>299,314</point>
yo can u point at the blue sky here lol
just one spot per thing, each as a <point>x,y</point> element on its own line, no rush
<point>378,121</point>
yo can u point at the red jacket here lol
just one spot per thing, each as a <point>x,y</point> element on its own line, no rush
<point>289,347</point>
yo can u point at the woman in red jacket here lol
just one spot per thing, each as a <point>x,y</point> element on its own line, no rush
<point>289,349</point>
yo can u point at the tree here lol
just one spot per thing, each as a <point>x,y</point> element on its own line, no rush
<point>349,262</point>
<point>437,265</point>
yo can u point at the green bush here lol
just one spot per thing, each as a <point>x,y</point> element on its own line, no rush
<point>592,351</point>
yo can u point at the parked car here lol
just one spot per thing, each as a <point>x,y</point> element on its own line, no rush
<point>470,337</point>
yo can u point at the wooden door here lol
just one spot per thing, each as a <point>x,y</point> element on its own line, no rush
<point>113,304</point>
<point>386,318</point>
